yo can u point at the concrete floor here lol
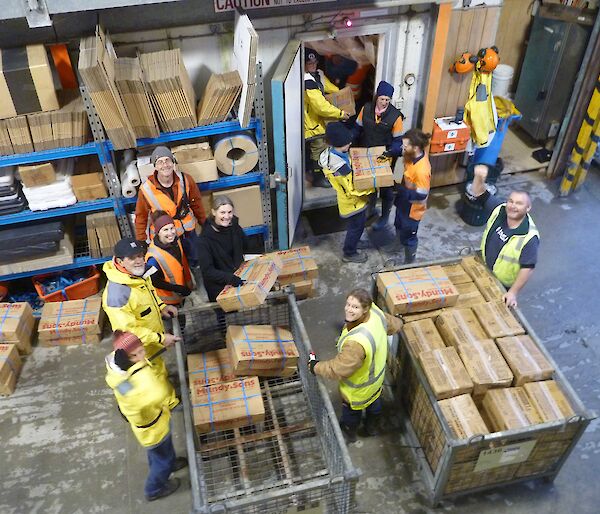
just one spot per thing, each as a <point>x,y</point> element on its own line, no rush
<point>64,449</point>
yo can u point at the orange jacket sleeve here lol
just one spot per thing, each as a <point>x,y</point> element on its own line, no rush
<point>195,199</point>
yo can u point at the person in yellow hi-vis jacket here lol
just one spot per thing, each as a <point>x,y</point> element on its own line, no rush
<point>316,110</point>
<point>352,204</point>
<point>360,363</point>
<point>133,305</point>
<point>143,399</point>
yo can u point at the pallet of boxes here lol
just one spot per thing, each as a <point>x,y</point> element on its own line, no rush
<point>483,398</point>
<point>16,328</point>
<point>225,384</point>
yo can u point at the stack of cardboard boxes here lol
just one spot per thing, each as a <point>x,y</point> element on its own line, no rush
<point>16,328</point>
<point>71,322</point>
<point>487,374</point>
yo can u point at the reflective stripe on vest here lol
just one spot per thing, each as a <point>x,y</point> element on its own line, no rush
<point>153,195</point>
<point>507,264</point>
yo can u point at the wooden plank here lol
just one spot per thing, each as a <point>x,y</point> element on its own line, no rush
<point>452,51</point>
<point>490,27</point>
<point>437,63</point>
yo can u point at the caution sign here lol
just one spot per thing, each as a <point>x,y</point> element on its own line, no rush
<point>230,5</point>
<point>505,455</point>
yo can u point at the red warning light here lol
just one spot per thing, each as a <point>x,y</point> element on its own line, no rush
<point>347,22</point>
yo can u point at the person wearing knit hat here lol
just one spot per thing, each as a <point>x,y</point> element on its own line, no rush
<point>352,204</point>
<point>379,123</point>
<point>143,398</point>
<point>174,192</point>
<point>316,110</point>
<point>165,258</point>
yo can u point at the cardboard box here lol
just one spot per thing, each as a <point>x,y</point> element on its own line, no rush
<point>445,373</point>
<point>343,99</point>
<point>462,416</point>
<point>201,171</point>
<point>37,174</point>
<point>525,359</point>
<point>298,265</point>
<point>259,275</point>
<point>484,279</point>
<point>16,325</point>
<point>73,321</point>
<point>367,171</point>
<point>485,365</point>
<point>474,267</point>
<point>549,401</point>
<point>416,290</point>
<point>247,202</point>
<point>26,83</point>
<point>459,326</point>
<point>195,152</point>
<point>254,348</point>
<point>497,320</point>
<point>432,315</point>
<point>508,408</point>
<point>145,167</point>
<point>422,336</point>
<point>232,404</point>
<point>457,274</point>
<point>210,367</point>
<point>10,367</point>
<point>468,295</point>
<point>305,289</point>
<point>89,186</point>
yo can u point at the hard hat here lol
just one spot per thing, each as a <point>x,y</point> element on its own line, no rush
<point>463,64</point>
<point>488,59</point>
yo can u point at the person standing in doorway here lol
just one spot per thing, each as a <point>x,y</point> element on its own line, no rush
<point>379,123</point>
<point>359,365</point>
<point>413,191</point>
<point>352,204</point>
<point>177,194</point>
<point>316,110</point>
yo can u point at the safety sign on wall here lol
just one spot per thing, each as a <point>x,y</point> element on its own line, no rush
<point>230,5</point>
<point>505,455</point>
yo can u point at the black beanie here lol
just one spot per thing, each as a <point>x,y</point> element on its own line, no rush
<point>337,134</point>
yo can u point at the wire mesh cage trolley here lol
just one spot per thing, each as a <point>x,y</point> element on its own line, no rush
<point>294,461</point>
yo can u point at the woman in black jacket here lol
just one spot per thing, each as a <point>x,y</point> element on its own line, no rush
<point>222,245</point>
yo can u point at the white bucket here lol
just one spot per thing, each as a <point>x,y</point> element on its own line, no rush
<point>502,79</point>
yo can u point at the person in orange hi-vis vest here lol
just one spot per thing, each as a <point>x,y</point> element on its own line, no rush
<point>171,278</point>
<point>412,192</point>
<point>176,193</point>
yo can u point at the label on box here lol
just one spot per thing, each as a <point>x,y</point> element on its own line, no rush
<point>504,456</point>
<point>452,134</point>
<point>449,147</point>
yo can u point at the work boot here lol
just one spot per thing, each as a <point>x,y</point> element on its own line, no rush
<point>180,463</point>
<point>410,254</point>
<point>320,181</point>
<point>358,258</point>
<point>349,433</point>
<point>371,427</point>
<point>170,487</point>
<point>363,244</point>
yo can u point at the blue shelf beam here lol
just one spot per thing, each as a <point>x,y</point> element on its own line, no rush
<point>223,127</point>
<point>78,262</point>
<point>47,155</point>
<point>27,215</point>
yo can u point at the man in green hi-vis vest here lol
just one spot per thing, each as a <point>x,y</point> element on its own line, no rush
<point>510,241</point>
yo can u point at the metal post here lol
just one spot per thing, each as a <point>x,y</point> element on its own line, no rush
<point>263,155</point>
<point>106,161</point>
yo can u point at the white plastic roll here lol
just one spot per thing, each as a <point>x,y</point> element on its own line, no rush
<point>128,191</point>
<point>236,155</point>
<point>131,174</point>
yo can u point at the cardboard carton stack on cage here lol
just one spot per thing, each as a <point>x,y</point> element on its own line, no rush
<point>485,371</point>
<point>299,269</point>
<point>71,322</point>
<point>220,399</point>
<point>263,350</point>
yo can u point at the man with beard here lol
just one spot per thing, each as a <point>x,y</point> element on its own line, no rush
<point>510,241</point>
<point>412,192</point>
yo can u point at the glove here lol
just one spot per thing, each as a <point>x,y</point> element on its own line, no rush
<point>122,359</point>
<point>384,156</point>
<point>312,362</point>
<point>236,281</point>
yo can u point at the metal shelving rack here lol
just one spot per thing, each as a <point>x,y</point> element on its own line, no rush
<point>260,177</point>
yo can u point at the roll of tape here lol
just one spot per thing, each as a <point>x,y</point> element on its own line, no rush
<point>236,155</point>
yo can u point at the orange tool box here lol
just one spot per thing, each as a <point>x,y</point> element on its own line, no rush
<point>449,136</point>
